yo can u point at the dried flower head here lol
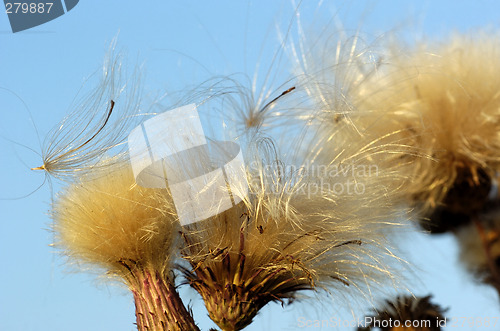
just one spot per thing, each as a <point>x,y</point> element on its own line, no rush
<point>407,313</point>
<point>442,100</point>
<point>293,232</point>
<point>106,220</point>
<point>433,111</point>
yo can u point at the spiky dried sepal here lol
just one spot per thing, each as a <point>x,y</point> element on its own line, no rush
<point>287,236</point>
<point>235,282</point>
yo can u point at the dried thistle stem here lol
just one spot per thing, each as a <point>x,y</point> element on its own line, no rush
<point>158,306</point>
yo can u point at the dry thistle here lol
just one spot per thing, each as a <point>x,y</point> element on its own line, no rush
<point>106,220</point>
<point>408,313</point>
<point>288,235</point>
<point>435,110</point>
<point>442,100</point>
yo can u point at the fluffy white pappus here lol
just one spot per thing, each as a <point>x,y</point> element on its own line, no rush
<point>233,108</point>
<point>443,100</point>
<point>97,125</point>
<point>333,69</point>
<point>294,231</point>
<point>106,220</point>
<point>430,111</point>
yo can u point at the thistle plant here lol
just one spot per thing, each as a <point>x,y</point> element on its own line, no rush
<point>105,221</point>
<point>356,137</point>
<point>442,100</point>
<point>289,234</point>
<point>314,213</point>
<point>432,112</point>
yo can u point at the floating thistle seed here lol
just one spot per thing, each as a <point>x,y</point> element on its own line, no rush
<point>64,160</point>
<point>105,220</point>
<point>252,110</point>
<point>407,313</point>
<point>244,110</point>
<point>98,124</point>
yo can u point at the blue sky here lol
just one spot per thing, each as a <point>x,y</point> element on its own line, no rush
<point>178,44</point>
